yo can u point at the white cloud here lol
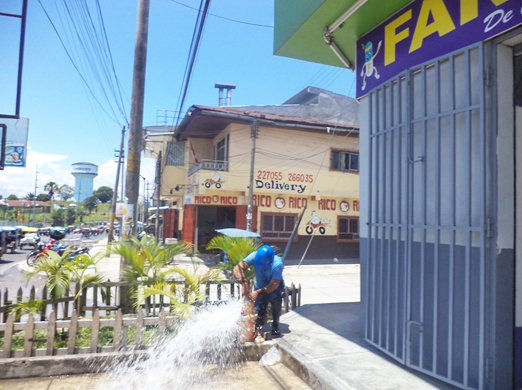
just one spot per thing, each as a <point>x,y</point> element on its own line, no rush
<point>106,175</point>
<point>20,181</point>
<point>55,167</point>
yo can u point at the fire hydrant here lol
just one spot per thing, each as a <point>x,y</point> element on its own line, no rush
<point>249,325</point>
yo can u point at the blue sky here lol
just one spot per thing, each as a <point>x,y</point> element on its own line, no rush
<point>66,124</point>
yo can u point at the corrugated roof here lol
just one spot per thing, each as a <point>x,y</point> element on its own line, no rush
<point>275,117</point>
<point>25,203</point>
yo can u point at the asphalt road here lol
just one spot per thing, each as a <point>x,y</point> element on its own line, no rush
<point>11,277</point>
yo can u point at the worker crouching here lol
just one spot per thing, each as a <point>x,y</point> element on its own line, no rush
<point>269,285</point>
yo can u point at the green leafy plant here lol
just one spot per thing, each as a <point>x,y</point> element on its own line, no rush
<point>236,249</point>
<point>148,272</point>
<point>61,272</point>
<point>184,297</point>
<point>147,258</point>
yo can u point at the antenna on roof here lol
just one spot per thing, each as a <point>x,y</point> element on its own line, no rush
<point>228,88</point>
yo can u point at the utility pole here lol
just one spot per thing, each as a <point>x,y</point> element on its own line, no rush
<point>144,201</point>
<point>251,186</point>
<point>158,192</point>
<point>80,212</point>
<point>115,193</point>
<point>35,187</point>
<point>136,115</point>
<point>122,176</point>
<point>147,188</point>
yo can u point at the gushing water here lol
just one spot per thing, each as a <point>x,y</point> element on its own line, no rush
<point>204,346</point>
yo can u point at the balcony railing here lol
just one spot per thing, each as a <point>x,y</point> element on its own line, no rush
<point>209,165</point>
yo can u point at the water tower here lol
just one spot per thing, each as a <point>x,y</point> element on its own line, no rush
<point>84,173</point>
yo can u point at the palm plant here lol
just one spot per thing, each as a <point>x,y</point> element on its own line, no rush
<point>146,259</point>
<point>78,268</point>
<point>148,272</point>
<point>61,273</point>
<point>184,297</point>
<point>51,188</point>
<point>235,249</point>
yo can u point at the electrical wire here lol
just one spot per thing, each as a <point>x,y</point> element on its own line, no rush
<point>86,45</point>
<point>189,67</point>
<point>225,18</point>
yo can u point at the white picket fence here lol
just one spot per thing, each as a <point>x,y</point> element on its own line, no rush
<point>120,341</point>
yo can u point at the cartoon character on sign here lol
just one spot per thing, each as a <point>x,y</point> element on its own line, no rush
<point>216,179</point>
<point>315,223</point>
<point>368,62</point>
<point>344,206</point>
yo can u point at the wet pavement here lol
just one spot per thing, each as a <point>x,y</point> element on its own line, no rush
<point>247,376</point>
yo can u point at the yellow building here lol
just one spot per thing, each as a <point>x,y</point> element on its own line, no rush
<point>298,164</point>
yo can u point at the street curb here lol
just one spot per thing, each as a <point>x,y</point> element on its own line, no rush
<point>45,366</point>
<point>303,368</point>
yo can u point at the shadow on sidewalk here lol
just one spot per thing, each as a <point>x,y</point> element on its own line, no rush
<point>340,318</point>
<point>321,261</point>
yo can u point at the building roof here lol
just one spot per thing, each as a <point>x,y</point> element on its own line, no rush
<point>314,103</point>
<point>24,203</point>
<point>312,109</point>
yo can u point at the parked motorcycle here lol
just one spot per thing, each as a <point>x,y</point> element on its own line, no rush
<point>59,248</point>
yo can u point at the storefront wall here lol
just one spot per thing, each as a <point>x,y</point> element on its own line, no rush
<point>440,217</point>
<point>437,184</point>
<point>290,166</point>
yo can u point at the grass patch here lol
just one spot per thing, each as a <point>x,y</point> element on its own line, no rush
<point>83,337</point>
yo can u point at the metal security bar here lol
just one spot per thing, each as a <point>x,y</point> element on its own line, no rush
<point>388,223</point>
<point>425,278</point>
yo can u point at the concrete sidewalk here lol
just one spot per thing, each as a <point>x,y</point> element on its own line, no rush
<point>322,335</point>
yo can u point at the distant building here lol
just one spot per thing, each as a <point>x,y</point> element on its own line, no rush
<point>301,160</point>
<point>84,173</point>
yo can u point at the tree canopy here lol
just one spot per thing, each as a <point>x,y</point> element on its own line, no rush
<point>58,216</point>
<point>43,197</point>
<point>90,203</point>
<point>52,188</point>
<point>71,215</point>
<point>12,197</point>
<point>66,192</point>
<point>104,194</point>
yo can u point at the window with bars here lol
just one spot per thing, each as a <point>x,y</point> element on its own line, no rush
<point>348,229</point>
<point>344,161</point>
<point>221,149</point>
<point>277,226</point>
<point>176,154</point>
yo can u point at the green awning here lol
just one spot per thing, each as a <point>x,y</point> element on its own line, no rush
<point>299,26</point>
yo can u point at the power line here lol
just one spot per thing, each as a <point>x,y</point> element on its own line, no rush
<point>189,67</point>
<point>223,17</point>
<point>92,52</point>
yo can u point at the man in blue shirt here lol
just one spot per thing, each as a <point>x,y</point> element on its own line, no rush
<point>269,284</point>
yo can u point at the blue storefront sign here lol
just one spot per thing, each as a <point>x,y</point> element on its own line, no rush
<point>427,29</point>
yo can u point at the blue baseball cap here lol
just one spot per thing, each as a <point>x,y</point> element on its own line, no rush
<point>264,257</point>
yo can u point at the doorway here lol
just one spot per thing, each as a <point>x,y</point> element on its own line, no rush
<point>210,218</point>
